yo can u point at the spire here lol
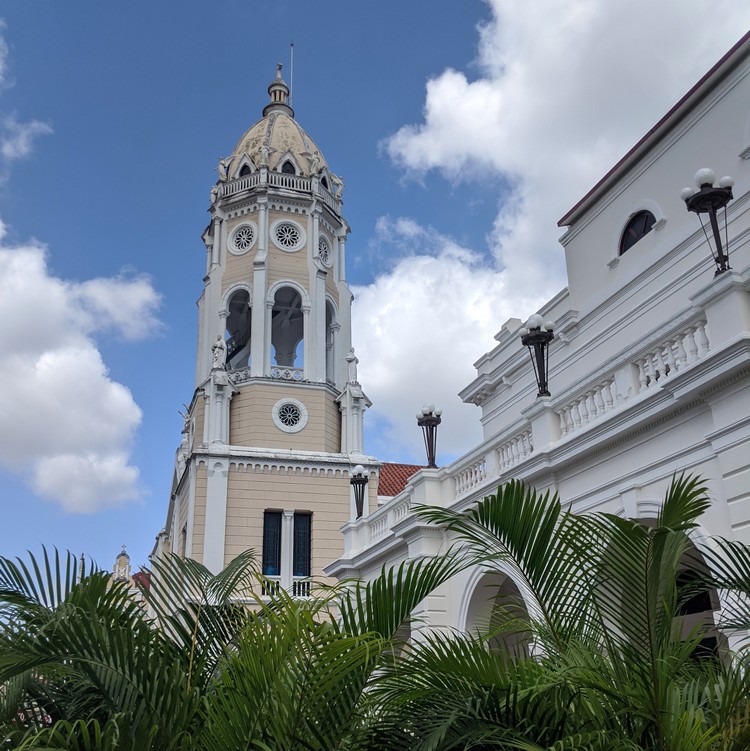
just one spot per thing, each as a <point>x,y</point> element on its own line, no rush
<point>279,93</point>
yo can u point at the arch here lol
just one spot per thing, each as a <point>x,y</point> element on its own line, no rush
<point>289,306</point>
<point>642,207</point>
<point>237,312</point>
<point>245,166</point>
<point>288,159</point>
<point>332,326</point>
<point>696,613</point>
<point>494,608</point>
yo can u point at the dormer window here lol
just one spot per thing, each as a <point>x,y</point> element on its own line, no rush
<point>639,225</point>
<point>324,182</point>
<point>245,170</point>
<point>288,168</point>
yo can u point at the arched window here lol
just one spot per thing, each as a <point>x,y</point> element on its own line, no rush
<point>238,330</point>
<point>324,182</point>
<point>639,225</point>
<point>287,328</point>
<point>330,354</point>
<point>288,168</point>
<point>245,170</point>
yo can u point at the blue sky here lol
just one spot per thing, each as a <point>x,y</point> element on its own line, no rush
<point>462,132</point>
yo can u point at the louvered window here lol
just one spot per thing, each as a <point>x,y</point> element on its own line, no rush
<point>301,548</point>
<point>272,543</point>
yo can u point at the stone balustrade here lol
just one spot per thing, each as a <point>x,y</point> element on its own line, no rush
<point>588,406</point>
<point>672,355</point>
<point>513,450</point>
<point>471,476</point>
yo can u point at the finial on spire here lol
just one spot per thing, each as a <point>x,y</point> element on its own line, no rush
<point>279,93</point>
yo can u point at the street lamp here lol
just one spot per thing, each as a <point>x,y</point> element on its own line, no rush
<point>429,419</point>
<point>359,482</point>
<point>708,199</point>
<point>536,336</point>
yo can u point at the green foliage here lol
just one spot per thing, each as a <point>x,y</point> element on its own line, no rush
<point>603,662</point>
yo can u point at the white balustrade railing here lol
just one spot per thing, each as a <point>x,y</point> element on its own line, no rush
<point>301,586</point>
<point>292,182</point>
<point>280,180</point>
<point>329,199</point>
<point>379,526</point>
<point>287,374</point>
<point>241,183</point>
<point>672,355</point>
<point>587,407</point>
<point>515,449</point>
<point>471,476</point>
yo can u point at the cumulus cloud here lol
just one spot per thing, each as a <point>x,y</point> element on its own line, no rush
<point>17,138</point>
<point>65,426</point>
<point>420,326</point>
<point>565,88</point>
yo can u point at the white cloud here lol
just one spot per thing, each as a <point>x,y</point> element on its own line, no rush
<point>3,56</point>
<point>17,139</point>
<point>566,87</point>
<point>430,317</point>
<point>65,426</point>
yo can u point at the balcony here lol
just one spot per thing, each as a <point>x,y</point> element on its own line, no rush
<point>283,182</point>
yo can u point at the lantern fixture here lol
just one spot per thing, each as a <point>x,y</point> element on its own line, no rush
<point>710,199</point>
<point>536,336</point>
<point>359,482</point>
<point>429,419</point>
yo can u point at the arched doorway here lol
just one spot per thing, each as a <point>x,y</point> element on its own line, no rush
<point>496,611</point>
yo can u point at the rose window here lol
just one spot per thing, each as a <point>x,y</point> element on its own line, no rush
<point>324,251</point>
<point>244,237</point>
<point>289,414</point>
<point>287,236</point>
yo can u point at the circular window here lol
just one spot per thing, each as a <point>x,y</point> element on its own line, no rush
<point>639,225</point>
<point>289,415</point>
<point>324,251</point>
<point>287,236</point>
<point>242,239</point>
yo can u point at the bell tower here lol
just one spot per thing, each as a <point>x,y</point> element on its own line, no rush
<point>275,426</point>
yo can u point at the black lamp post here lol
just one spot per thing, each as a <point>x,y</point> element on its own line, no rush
<point>709,199</point>
<point>536,336</point>
<point>359,482</point>
<point>429,419</point>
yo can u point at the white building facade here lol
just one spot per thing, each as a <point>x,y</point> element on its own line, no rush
<point>649,365</point>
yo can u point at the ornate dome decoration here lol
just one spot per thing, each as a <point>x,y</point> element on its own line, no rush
<point>277,137</point>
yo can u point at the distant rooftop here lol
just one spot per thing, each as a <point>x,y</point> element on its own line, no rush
<point>393,477</point>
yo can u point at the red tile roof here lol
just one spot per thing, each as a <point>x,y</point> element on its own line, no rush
<point>393,477</point>
<point>143,579</point>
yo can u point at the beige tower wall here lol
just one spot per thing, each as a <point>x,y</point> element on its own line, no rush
<point>199,518</point>
<point>251,422</point>
<point>253,490</point>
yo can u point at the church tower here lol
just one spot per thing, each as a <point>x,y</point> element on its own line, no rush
<point>274,430</point>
